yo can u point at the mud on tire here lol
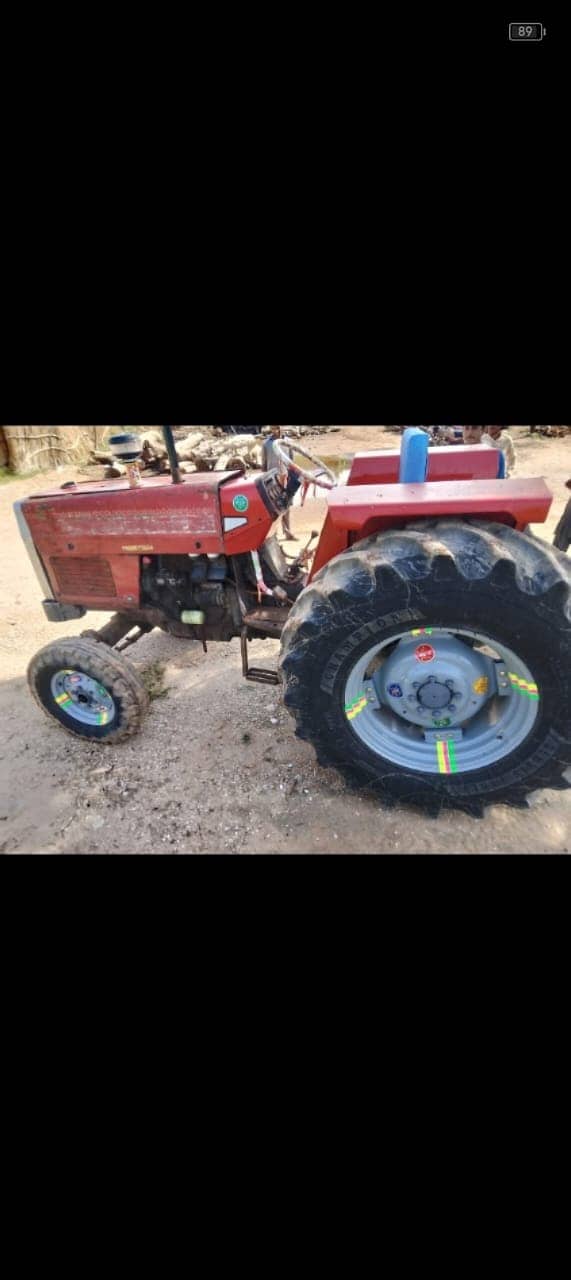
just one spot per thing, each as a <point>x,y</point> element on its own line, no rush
<point>99,663</point>
<point>449,574</point>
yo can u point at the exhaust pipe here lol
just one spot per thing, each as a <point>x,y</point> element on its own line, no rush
<point>172,455</point>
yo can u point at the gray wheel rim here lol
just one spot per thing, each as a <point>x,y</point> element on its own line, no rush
<point>497,728</point>
<point>82,698</point>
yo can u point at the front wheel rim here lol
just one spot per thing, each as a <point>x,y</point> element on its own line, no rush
<point>83,698</point>
<point>495,725</point>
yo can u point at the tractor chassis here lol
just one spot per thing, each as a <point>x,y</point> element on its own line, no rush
<point>124,630</point>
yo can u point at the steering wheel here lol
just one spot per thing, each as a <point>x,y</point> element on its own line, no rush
<point>322,476</point>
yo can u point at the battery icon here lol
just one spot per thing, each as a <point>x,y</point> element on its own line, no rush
<point>527,32</point>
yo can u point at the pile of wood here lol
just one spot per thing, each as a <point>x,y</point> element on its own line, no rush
<point>308,431</point>
<point>202,449</point>
<point>557,433</point>
<point>198,449</point>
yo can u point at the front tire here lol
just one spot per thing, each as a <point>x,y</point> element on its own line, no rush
<point>481,589</point>
<point>89,689</point>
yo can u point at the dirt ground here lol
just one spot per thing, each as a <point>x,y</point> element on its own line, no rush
<point>217,768</point>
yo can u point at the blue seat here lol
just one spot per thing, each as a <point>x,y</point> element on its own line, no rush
<point>414,456</point>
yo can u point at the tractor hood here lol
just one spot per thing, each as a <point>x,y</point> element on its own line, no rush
<point>91,540</point>
<point>204,481</point>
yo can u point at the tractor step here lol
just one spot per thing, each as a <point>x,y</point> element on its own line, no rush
<point>258,675</point>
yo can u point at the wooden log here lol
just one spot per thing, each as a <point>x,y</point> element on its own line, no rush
<point>257,457</point>
<point>230,462</point>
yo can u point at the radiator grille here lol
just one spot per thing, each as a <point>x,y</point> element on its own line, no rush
<point>83,577</point>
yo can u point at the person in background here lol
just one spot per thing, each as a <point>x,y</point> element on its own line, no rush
<point>272,462</point>
<point>498,439</point>
<point>472,435</point>
<point>562,539</point>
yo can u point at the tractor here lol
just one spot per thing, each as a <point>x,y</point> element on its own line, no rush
<point>425,639</point>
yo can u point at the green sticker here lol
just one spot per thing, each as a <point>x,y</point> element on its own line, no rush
<point>241,503</point>
<point>441,724</point>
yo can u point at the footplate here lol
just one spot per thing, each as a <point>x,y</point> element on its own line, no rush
<point>258,675</point>
<point>269,621</point>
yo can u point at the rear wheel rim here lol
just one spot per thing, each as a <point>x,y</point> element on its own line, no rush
<point>493,729</point>
<point>82,698</point>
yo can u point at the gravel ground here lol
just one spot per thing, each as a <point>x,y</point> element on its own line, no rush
<point>217,768</point>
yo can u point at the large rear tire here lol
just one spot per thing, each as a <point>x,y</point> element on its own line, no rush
<point>497,607</point>
<point>562,539</point>
<point>89,689</point>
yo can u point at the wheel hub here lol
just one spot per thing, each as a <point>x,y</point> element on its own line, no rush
<point>434,696</point>
<point>441,702</point>
<point>458,683</point>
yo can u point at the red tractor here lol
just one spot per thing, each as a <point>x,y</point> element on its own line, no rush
<point>425,652</point>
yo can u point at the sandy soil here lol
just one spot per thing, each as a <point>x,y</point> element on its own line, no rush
<point>217,768</point>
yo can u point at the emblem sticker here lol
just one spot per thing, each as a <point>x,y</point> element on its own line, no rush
<point>482,685</point>
<point>241,503</point>
<point>425,653</point>
<point>395,691</point>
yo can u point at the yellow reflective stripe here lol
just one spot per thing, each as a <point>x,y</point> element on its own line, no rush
<point>446,753</point>
<point>523,686</point>
<point>356,708</point>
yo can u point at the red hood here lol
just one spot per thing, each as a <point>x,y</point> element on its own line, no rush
<point>205,481</point>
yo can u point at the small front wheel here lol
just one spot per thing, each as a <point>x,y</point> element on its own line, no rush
<point>91,690</point>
